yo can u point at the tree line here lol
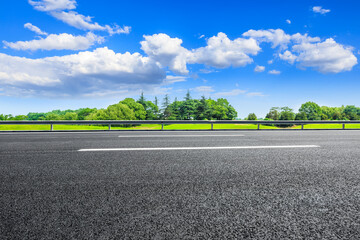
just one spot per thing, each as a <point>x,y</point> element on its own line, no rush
<point>142,109</point>
<point>311,111</point>
<point>189,109</point>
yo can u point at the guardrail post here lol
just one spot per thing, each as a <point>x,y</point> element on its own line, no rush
<point>51,127</point>
<point>302,126</point>
<point>212,126</point>
<point>109,127</point>
<point>343,125</point>
<point>258,126</point>
<point>162,127</point>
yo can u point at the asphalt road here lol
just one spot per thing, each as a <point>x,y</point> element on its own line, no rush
<point>186,185</point>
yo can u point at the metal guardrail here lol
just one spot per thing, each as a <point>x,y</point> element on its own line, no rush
<point>166,122</point>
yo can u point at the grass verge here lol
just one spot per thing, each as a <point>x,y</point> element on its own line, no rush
<point>45,127</point>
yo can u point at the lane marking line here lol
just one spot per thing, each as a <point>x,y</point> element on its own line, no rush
<point>145,136</point>
<point>194,148</point>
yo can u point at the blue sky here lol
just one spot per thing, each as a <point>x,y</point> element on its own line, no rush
<point>61,54</point>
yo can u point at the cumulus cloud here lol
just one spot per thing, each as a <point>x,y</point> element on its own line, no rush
<point>275,36</point>
<point>62,41</point>
<point>288,56</point>
<point>167,51</point>
<point>62,10</point>
<point>35,29</point>
<point>274,72</point>
<point>327,56</point>
<point>259,68</point>
<point>53,5</point>
<point>320,9</point>
<point>288,21</point>
<point>79,74</point>
<point>221,52</point>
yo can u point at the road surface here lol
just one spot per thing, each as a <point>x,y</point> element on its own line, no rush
<point>180,185</point>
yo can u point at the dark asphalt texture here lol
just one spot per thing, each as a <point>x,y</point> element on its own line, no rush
<point>50,190</point>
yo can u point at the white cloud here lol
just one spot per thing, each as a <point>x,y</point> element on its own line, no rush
<point>234,92</point>
<point>167,51</point>
<point>204,89</point>
<point>259,68</point>
<point>288,56</point>
<point>173,79</point>
<point>301,38</point>
<point>79,74</point>
<point>221,52</point>
<point>60,10</point>
<point>202,36</point>
<point>319,9</point>
<point>270,61</point>
<point>53,5</point>
<point>35,29</point>
<point>288,21</point>
<point>24,78</point>
<point>275,36</point>
<point>62,41</point>
<point>274,72</point>
<point>82,22</point>
<point>327,56</point>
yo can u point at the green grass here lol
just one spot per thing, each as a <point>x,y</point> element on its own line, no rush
<point>44,127</point>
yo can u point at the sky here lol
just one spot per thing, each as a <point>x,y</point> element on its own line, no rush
<point>69,54</point>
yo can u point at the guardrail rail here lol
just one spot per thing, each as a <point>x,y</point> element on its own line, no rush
<point>109,123</point>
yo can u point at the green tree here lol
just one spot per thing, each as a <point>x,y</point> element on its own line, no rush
<point>252,116</point>
<point>71,116</point>
<point>120,111</point>
<point>84,112</point>
<point>287,114</point>
<point>301,116</point>
<point>201,109</point>
<point>151,110</point>
<point>166,109</point>
<point>273,114</point>
<point>312,110</point>
<point>36,116</point>
<point>100,114</point>
<point>137,108</point>
<point>351,112</point>
<point>52,116</point>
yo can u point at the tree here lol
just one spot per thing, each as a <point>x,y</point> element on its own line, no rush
<point>201,109</point>
<point>142,99</point>
<point>52,116</point>
<point>84,112</point>
<point>273,113</point>
<point>312,110</point>
<point>121,111</point>
<point>252,116</point>
<point>137,108</point>
<point>151,110</point>
<point>301,116</point>
<point>166,110</point>
<point>71,116</point>
<point>286,114</point>
<point>351,112</point>
<point>36,116</point>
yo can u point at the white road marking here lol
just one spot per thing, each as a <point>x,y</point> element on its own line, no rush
<point>145,136</point>
<point>195,148</point>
